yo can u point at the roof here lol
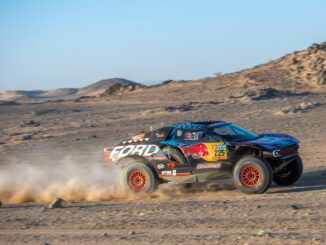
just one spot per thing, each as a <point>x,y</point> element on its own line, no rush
<point>199,124</point>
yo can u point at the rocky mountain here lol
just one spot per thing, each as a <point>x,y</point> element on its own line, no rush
<point>303,70</point>
<point>307,67</point>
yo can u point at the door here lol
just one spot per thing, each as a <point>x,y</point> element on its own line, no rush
<point>203,146</point>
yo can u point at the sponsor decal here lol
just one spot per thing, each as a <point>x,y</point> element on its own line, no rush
<point>158,156</point>
<point>208,165</point>
<point>170,165</point>
<point>107,152</point>
<point>220,152</point>
<point>169,172</point>
<point>160,166</point>
<point>142,150</point>
<point>166,172</point>
<point>160,135</point>
<point>196,151</point>
<point>173,173</point>
<point>138,137</point>
<point>214,151</point>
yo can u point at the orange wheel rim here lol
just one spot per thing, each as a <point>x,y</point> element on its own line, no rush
<point>137,180</point>
<point>250,176</point>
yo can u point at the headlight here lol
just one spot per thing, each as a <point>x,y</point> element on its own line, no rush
<point>276,153</point>
<point>267,154</point>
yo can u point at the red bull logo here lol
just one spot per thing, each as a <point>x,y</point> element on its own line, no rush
<point>196,151</point>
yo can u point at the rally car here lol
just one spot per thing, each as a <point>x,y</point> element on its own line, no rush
<point>202,151</point>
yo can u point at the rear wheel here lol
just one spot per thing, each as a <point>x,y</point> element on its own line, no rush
<point>138,177</point>
<point>290,174</point>
<point>252,175</point>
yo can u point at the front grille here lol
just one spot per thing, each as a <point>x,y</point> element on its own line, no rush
<point>292,149</point>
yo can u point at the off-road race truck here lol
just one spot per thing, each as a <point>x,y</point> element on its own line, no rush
<point>202,151</point>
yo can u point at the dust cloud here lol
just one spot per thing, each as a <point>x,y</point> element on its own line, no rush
<point>42,179</point>
<point>30,182</point>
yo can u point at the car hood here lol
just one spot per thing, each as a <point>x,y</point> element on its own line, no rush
<point>271,141</point>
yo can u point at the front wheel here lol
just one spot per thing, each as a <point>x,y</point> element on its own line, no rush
<point>138,177</point>
<point>252,175</point>
<point>290,174</point>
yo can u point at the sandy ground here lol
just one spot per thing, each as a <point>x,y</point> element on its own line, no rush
<point>292,215</point>
<point>201,215</point>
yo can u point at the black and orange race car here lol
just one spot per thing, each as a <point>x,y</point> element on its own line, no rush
<point>203,151</point>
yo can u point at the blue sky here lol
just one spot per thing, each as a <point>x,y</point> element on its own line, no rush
<point>52,44</point>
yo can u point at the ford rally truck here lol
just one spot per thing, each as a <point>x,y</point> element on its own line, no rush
<point>202,151</point>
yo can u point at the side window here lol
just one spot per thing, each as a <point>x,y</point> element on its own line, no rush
<point>207,136</point>
<point>188,135</point>
<point>179,134</point>
<point>191,135</point>
<point>161,133</point>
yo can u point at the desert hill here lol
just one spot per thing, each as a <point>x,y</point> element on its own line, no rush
<point>305,69</point>
<point>107,86</point>
<point>298,71</point>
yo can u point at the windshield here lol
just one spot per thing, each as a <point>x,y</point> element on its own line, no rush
<point>231,132</point>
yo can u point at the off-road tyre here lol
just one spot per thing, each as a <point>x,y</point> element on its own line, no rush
<point>252,175</point>
<point>138,177</point>
<point>290,174</point>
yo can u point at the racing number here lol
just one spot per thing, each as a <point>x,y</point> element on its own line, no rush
<point>221,152</point>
